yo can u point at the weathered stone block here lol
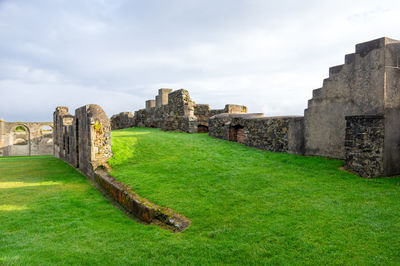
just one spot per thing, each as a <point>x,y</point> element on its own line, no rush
<point>364,145</point>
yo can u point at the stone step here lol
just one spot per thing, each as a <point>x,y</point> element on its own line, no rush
<point>349,58</point>
<point>316,93</point>
<point>325,82</point>
<point>335,69</point>
<point>364,48</point>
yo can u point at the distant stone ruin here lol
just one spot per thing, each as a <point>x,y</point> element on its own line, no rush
<point>26,138</point>
<point>173,111</point>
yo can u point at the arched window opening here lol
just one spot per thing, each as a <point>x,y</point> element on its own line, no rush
<point>20,129</point>
<point>46,131</point>
<point>21,135</point>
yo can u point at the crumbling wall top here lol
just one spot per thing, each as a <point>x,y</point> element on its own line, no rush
<point>366,47</point>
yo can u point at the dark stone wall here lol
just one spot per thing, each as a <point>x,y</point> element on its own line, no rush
<point>61,119</point>
<point>364,145</point>
<point>203,112</point>
<point>122,120</point>
<point>176,115</point>
<point>279,134</point>
<point>180,112</point>
<point>173,111</point>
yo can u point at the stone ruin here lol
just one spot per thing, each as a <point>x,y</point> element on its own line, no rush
<point>278,134</point>
<point>26,138</point>
<point>355,116</point>
<point>84,141</point>
<point>173,111</point>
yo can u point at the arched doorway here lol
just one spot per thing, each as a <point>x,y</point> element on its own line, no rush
<point>202,129</point>
<point>21,144</point>
<point>46,140</point>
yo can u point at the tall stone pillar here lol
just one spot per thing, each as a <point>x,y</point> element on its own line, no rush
<point>150,104</point>
<point>162,98</point>
<point>2,140</point>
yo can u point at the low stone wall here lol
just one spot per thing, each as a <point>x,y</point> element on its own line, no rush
<point>364,145</point>
<point>138,206</point>
<point>279,134</point>
<point>84,141</point>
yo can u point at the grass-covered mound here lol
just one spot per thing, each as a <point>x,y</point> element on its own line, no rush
<point>248,205</point>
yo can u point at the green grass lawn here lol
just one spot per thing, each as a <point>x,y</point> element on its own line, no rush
<point>246,206</point>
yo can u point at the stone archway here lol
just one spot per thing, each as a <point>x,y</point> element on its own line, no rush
<point>45,142</point>
<point>21,141</point>
<point>202,129</point>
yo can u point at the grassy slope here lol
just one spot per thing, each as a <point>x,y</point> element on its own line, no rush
<point>50,214</point>
<point>248,205</point>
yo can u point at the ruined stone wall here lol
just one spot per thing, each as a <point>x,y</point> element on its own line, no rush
<point>366,84</point>
<point>203,112</point>
<point>61,119</point>
<point>364,145</point>
<point>170,111</point>
<point>122,120</point>
<point>83,140</point>
<point>279,134</point>
<point>173,111</point>
<point>180,113</point>
<point>26,138</point>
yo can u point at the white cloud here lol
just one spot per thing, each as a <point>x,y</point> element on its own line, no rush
<point>266,55</point>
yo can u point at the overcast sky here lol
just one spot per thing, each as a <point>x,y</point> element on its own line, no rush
<point>267,55</point>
